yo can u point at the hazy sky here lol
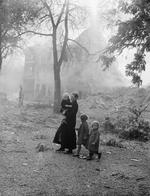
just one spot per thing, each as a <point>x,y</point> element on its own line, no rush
<point>127,57</point>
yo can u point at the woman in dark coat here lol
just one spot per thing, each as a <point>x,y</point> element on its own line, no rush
<point>70,134</point>
<point>66,135</point>
<point>60,136</point>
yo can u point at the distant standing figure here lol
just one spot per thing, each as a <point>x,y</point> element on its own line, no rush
<point>93,144</point>
<point>21,96</point>
<point>83,134</point>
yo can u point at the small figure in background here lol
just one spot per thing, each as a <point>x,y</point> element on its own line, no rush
<point>21,96</point>
<point>94,139</point>
<point>108,126</point>
<point>83,134</point>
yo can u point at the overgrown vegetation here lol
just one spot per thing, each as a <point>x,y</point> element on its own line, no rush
<point>130,127</point>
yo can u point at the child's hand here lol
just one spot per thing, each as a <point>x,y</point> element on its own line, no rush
<point>64,112</point>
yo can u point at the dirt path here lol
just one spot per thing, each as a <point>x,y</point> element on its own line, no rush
<point>25,172</point>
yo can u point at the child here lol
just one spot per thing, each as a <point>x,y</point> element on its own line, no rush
<point>83,134</point>
<point>93,144</point>
<point>65,104</point>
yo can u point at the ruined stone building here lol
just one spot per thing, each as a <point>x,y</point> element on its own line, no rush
<point>38,76</point>
<point>80,71</point>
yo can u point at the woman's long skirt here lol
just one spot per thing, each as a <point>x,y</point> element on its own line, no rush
<point>60,136</point>
<point>65,136</point>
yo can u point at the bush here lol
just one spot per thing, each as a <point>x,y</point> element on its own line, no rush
<point>108,125</point>
<point>114,143</point>
<point>136,129</point>
<point>130,124</point>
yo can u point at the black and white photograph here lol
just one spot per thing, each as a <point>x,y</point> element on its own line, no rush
<point>74,97</point>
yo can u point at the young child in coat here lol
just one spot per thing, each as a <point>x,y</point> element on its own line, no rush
<point>65,104</point>
<point>93,144</point>
<point>83,134</point>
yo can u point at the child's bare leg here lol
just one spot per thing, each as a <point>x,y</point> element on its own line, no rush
<point>79,149</point>
<point>90,156</point>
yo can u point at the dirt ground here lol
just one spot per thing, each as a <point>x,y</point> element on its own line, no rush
<point>26,172</point>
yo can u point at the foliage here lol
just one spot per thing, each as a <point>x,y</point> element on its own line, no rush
<point>107,60</point>
<point>139,131</point>
<point>133,32</point>
<point>134,127</point>
<point>108,125</point>
<point>114,143</point>
<point>135,68</point>
<point>14,16</point>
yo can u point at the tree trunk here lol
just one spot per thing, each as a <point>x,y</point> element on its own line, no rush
<point>0,50</point>
<point>58,62</point>
<point>0,58</point>
<point>57,89</point>
<point>0,35</point>
<point>57,81</point>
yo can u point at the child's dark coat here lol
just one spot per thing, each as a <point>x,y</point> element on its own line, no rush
<point>93,144</point>
<point>83,134</point>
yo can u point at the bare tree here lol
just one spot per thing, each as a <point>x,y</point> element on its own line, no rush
<point>58,17</point>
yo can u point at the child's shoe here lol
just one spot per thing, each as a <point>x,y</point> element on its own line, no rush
<point>75,155</point>
<point>89,158</point>
<point>99,155</point>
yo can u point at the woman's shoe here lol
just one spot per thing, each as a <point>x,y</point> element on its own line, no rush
<point>68,152</point>
<point>60,150</point>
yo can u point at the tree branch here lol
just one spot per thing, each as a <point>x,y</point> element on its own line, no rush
<point>66,34</point>
<point>34,32</point>
<point>43,17</point>
<point>50,13</point>
<point>61,13</point>
<point>69,51</point>
<point>84,48</point>
<point>3,34</point>
<point>5,51</point>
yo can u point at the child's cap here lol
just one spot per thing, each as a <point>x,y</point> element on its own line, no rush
<point>84,117</point>
<point>95,123</point>
<point>75,94</point>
